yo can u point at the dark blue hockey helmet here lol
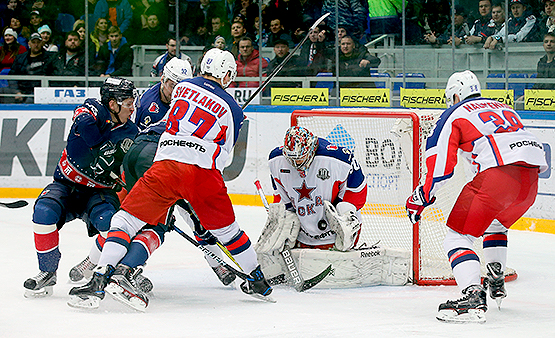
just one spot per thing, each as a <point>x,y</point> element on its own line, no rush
<point>118,89</point>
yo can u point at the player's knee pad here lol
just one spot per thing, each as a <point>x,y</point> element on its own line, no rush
<point>227,233</point>
<point>47,211</point>
<point>455,240</point>
<point>101,215</point>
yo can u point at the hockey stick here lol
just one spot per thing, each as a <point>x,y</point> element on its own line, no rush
<point>282,64</point>
<point>298,282</point>
<point>14,205</point>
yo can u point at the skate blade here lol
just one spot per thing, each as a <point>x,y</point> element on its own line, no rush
<point>126,297</point>
<point>268,299</point>
<point>451,316</point>
<point>46,291</point>
<point>498,301</point>
<point>88,302</point>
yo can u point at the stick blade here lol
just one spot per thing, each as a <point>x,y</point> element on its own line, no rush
<point>310,283</point>
<point>15,205</point>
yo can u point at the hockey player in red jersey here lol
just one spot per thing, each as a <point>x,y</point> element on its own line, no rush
<point>203,126</point>
<point>506,160</point>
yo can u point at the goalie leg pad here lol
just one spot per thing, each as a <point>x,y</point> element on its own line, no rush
<point>281,230</point>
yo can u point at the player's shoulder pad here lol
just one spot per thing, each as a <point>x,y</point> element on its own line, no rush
<point>276,152</point>
<point>328,149</point>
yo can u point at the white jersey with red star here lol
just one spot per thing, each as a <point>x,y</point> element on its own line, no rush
<point>334,176</point>
<point>202,126</point>
<point>488,133</point>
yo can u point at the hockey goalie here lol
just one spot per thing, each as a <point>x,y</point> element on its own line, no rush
<point>319,190</point>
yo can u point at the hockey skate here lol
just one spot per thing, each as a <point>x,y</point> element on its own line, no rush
<point>142,281</point>
<point>471,308</point>
<point>257,286</point>
<point>225,275</point>
<point>88,296</point>
<point>123,288</point>
<point>495,282</point>
<point>83,270</point>
<point>41,285</point>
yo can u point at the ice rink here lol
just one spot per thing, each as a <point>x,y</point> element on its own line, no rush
<point>189,301</point>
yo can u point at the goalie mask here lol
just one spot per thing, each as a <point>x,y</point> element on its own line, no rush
<point>218,63</point>
<point>299,147</point>
<point>464,84</point>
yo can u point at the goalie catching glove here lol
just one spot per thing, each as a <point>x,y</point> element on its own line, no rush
<point>281,230</point>
<point>344,222</point>
<point>416,204</point>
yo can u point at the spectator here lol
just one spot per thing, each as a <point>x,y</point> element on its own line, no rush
<point>481,29</point>
<point>79,27</point>
<point>546,66</point>
<point>237,32</point>
<point>23,32</point>
<point>355,62</point>
<point>99,36</point>
<point>32,62</point>
<point>249,11</point>
<point>153,34</point>
<point>219,28</point>
<point>115,57</point>
<point>209,10</point>
<point>13,9</point>
<point>160,61</point>
<point>291,68</point>
<point>49,12</point>
<point>219,43</point>
<point>69,61</point>
<point>35,21</point>
<point>352,14</point>
<point>313,57</point>
<point>461,30</point>
<point>547,22</point>
<point>289,12</point>
<point>46,36</point>
<point>521,28</point>
<point>497,22</point>
<point>10,49</point>
<point>248,62</point>
<point>118,12</point>
<point>277,32</point>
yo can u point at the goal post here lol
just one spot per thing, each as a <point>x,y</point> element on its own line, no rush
<point>389,145</point>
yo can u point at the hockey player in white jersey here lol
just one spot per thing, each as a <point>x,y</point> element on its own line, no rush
<point>319,190</point>
<point>506,160</point>
<point>203,126</point>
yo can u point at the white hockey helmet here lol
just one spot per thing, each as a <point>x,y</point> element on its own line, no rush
<point>218,63</point>
<point>464,84</point>
<point>299,147</point>
<point>177,70</point>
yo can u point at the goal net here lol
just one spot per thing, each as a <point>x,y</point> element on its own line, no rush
<point>389,145</point>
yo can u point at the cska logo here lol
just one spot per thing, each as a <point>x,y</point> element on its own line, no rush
<point>331,147</point>
<point>153,108</point>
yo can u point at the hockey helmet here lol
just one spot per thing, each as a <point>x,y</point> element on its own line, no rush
<point>464,84</point>
<point>218,63</point>
<point>299,147</point>
<point>177,70</point>
<point>117,89</point>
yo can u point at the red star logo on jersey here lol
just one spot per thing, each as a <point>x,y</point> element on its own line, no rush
<point>304,192</point>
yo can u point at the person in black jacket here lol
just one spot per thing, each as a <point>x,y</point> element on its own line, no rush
<point>546,65</point>
<point>69,61</point>
<point>32,62</point>
<point>355,62</point>
<point>115,58</point>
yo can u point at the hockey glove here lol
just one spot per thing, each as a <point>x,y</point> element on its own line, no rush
<point>416,204</point>
<point>105,160</point>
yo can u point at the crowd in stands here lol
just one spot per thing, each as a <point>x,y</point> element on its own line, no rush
<point>116,25</point>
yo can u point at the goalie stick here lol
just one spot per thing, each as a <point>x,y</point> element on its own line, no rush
<point>298,282</point>
<point>14,205</point>
<point>282,64</point>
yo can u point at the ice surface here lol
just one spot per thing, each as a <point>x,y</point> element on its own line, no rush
<point>189,301</point>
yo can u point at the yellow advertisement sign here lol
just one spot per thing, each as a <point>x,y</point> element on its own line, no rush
<point>365,97</point>
<point>501,95</point>
<point>538,99</point>
<point>300,96</point>
<point>423,98</point>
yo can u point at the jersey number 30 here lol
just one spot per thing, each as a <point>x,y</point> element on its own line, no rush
<point>509,118</point>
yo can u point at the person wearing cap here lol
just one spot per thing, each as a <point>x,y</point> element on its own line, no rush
<point>32,62</point>
<point>46,35</point>
<point>35,22</point>
<point>10,49</point>
<point>522,27</point>
<point>281,49</point>
<point>461,30</point>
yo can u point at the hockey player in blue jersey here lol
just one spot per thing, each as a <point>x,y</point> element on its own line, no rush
<point>83,188</point>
